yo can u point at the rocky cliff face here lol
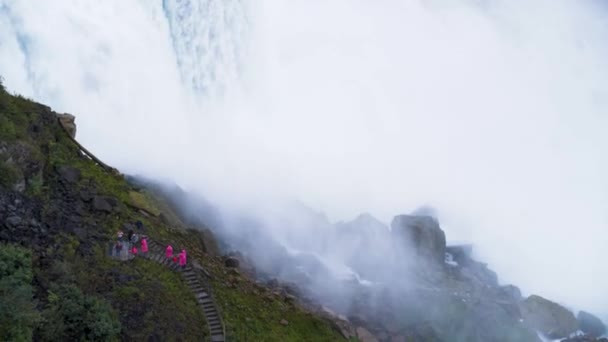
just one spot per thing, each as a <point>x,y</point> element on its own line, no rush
<point>60,211</point>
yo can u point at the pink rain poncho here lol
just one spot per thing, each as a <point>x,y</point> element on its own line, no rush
<point>169,251</point>
<point>182,258</point>
<point>134,250</point>
<point>144,245</point>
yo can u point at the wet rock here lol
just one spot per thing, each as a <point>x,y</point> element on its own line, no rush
<point>86,195</point>
<point>231,262</point>
<point>423,234</point>
<point>13,221</point>
<point>19,186</point>
<point>101,204</point>
<point>590,324</point>
<point>510,292</point>
<point>69,174</point>
<point>547,317</point>
<point>365,336</point>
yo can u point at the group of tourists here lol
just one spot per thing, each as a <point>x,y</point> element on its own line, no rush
<point>131,243</point>
<point>180,258</point>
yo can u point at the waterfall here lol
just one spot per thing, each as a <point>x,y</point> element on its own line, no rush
<point>493,112</point>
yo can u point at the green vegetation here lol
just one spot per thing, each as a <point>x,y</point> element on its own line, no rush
<point>82,293</point>
<point>73,316</point>
<point>254,313</point>
<point>18,315</point>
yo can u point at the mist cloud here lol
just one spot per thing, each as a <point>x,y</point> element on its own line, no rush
<point>492,112</point>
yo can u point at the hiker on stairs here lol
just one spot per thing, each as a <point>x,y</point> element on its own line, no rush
<point>182,259</point>
<point>144,245</point>
<point>169,252</point>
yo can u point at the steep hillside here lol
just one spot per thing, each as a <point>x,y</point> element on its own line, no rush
<point>60,211</point>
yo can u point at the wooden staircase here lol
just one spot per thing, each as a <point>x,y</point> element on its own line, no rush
<point>197,285</point>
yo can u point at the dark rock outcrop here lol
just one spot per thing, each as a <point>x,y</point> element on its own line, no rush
<point>423,234</point>
<point>231,262</point>
<point>590,324</point>
<point>101,203</point>
<point>550,318</point>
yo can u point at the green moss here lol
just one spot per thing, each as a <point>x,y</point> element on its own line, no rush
<point>7,129</point>
<point>143,201</point>
<point>254,317</point>
<point>9,174</point>
<point>18,315</point>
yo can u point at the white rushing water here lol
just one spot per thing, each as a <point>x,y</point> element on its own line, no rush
<point>494,112</point>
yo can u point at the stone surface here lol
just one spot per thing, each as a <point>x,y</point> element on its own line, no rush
<point>13,221</point>
<point>231,262</point>
<point>69,174</point>
<point>590,324</point>
<point>423,234</point>
<point>547,317</point>
<point>365,336</point>
<point>101,204</point>
<point>68,121</point>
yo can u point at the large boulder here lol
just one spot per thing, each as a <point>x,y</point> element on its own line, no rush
<point>590,324</point>
<point>423,235</point>
<point>547,317</point>
<point>68,122</point>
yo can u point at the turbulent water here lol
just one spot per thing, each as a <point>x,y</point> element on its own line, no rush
<point>493,112</point>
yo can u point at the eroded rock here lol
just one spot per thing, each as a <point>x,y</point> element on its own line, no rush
<point>550,318</point>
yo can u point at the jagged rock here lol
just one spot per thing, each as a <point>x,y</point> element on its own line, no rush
<point>69,174</point>
<point>423,233</point>
<point>13,221</point>
<point>19,186</point>
<point>551,319</point>
<point>479,274</point>
<point>590,324</point>
<point>231,262</point>
<point>365,336</point>
<point>68,121</point>
<point>510,292</point>
<point>86,195</point>
<point>101,204</point>
<point>460,253</point>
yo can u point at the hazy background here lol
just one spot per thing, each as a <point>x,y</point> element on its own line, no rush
<point>493,112</point>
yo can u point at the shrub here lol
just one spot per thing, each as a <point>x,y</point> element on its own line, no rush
<point>18,315</point>
<point>7,129</point>
<point>8,174</point>
<point>73,316</point>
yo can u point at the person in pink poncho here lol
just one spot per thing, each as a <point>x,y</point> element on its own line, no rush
<point>169,252</point>
<point>144,244</point>
<point>182,258</point>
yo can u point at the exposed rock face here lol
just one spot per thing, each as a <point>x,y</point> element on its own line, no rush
<point>424,235</point>
<point>69,174</point>
<point>365,336</point>
<point>101,203</point>
<point>551,319</point>
<point>231,262</point>
<point>68,121</point>
<point>590,324</point>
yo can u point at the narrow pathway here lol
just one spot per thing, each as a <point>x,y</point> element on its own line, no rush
<point>199,287</point>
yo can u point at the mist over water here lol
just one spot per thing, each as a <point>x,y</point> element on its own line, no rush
<point>492,112</point>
